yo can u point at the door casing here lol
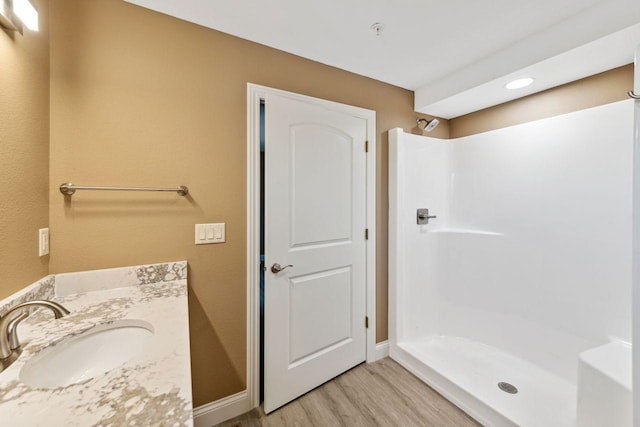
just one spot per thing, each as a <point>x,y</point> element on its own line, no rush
<point>256,93</point>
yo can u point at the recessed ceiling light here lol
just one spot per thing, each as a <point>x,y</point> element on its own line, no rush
<point>519,83</point>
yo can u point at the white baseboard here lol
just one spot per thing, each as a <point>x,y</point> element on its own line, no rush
<point>222,410</point>
<point>382,350</point>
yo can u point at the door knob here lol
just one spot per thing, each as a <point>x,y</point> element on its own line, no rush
<point>277,268</point>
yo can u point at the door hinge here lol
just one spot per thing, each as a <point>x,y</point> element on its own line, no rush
<point>366,146</point>
<point>366,234</point>
<point>366,322</point>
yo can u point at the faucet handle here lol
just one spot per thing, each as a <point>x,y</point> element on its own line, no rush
<point>423,216</point>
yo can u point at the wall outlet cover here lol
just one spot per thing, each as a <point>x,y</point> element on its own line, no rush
<point>43,241</point>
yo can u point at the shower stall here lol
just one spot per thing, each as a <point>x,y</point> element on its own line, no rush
<point>514,302</point>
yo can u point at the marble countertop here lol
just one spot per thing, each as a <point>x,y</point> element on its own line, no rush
<point>151,389</point>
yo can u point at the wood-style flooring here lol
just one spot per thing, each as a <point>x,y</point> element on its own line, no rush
<point>377,394</point>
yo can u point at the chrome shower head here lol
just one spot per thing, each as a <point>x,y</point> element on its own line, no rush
<point>428,125</point>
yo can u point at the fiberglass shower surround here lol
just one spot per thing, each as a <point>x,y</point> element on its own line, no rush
<point>524,277</point>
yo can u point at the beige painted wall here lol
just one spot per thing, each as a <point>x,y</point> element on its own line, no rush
<point>24,153</point>
<point>139,98</point>
<point>600,89</point>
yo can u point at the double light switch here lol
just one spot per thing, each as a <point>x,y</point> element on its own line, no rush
<point>210,233</point>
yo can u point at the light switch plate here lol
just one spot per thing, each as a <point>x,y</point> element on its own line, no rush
<point>207,234</point>
<point>220,233</point>
<point>43,241</point>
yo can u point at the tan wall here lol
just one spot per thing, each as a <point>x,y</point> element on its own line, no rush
<point>139,98</point>
<point>600,89</point>
<point>24,153</point>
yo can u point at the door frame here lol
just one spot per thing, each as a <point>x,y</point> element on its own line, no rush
<point>256,93</point>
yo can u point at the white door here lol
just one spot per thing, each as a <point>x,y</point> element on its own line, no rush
<point>315,220</point>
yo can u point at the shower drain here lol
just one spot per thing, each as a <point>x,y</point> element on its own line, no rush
<point>506,387</point>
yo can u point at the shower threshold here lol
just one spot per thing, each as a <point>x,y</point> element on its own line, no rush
<point>468,372</point>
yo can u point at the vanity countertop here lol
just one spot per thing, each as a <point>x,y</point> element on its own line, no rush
<point>151,389</point>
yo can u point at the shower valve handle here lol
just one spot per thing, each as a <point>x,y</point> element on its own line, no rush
<point>424,217</point>
<point>277,268</point>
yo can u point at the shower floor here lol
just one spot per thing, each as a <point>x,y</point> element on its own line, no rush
<point>459,367</point>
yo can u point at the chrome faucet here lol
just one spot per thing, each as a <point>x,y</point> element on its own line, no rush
<point>9,343</point>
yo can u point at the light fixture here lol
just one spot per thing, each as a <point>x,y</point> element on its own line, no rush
<point>14,14</point>
<point>519,83</point>
<point>28,14</point>
<point>6,15</point>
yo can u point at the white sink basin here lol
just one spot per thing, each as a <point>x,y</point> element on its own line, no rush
<point>85,356</point>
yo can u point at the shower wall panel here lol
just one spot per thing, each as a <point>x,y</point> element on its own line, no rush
<point>419,171</point>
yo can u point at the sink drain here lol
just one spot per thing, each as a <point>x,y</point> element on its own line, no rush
<point>508,388</point>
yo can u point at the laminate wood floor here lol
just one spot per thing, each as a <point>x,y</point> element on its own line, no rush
<point>377,394</point>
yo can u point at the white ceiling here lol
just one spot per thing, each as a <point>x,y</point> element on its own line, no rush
<point>445,46</point>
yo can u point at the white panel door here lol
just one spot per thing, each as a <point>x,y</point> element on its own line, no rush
<point>315,220</point>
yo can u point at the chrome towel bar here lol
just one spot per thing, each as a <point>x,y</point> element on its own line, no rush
<point>69,189</point>
<point>633,95</point>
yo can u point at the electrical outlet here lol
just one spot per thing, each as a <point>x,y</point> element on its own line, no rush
<point>43,241</point>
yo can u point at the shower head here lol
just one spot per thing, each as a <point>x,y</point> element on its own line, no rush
<point>428,125</point>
